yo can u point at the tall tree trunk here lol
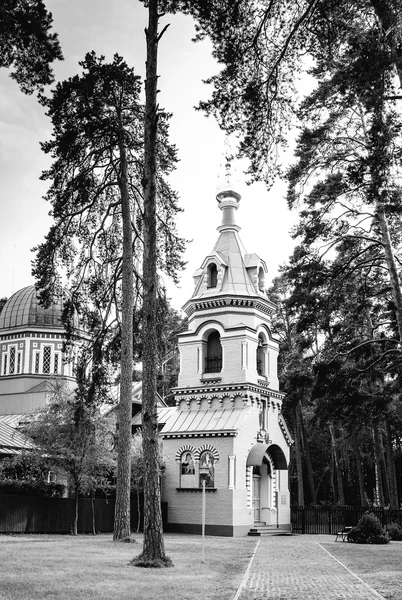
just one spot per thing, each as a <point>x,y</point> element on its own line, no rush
<point>339,482</point>
<point>76,504</point>
<point>359,470</point>
<point>393,488</point>
<point>153,548</point>
<point>93,514</point>
<point>299,460</point>
<point>377,464</point>
<point>392,267</point>
<point>307,456</point>
<point>122,507</point>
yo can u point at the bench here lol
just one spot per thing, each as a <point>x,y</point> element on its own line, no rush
<point>343,534</point>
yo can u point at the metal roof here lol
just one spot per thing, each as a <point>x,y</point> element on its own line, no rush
<point>12,440</point>
<point>221,420</point>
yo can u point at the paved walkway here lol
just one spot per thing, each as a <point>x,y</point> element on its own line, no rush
<point>300,568</point>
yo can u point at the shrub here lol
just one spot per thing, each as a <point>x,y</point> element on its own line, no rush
<point>394,531</point>
<point>368,531</point>
<point>31,488</point>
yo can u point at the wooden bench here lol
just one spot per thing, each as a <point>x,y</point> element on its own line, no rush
<point>343,534</point>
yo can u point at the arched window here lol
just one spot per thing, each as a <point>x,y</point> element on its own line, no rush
<point>261,279</point>
<point>212,275</point>
<point>187,464</point>
<point>207,468</point>
<point>213,358</point>
<point>187,470</point>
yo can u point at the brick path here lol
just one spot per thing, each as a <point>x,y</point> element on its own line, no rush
<point>297,568</point>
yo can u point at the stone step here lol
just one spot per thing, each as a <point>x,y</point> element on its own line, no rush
<point>260,530</point>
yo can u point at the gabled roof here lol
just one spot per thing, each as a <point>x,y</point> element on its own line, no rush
<point>136,398</point>
<point>43,386</point>
<point>164,414</point>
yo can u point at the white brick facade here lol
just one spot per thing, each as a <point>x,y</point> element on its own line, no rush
<point>228,420</point>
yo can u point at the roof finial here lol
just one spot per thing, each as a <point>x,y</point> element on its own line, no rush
<point>228,159</point>
<point>227,197</point>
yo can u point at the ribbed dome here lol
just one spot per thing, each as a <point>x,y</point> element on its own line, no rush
<point>23,308</point>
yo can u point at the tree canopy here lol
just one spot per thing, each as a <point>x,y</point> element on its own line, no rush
<point>27,45</point>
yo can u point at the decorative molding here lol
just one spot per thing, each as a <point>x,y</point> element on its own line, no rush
<point>207,448</point>
<point>182,450</point>
<point>196,489</point>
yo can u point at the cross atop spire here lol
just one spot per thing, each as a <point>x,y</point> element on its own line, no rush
<point>226,195</point>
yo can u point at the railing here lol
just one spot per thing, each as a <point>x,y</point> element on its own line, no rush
<point>213,364</point>
<point>330,519</point>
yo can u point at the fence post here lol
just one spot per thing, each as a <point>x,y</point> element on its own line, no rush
<point>303,519</point>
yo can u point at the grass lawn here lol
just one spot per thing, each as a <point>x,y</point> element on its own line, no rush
<point>379,566</point>
<point>42,567</point>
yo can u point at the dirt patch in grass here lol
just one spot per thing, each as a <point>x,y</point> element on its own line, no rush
<point>379,566</point>
<point>89,568</point>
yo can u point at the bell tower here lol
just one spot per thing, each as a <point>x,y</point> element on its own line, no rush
<point>228,421</point>
<point>229,339</point>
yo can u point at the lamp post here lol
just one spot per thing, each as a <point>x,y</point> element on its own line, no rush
<point>204,472</point>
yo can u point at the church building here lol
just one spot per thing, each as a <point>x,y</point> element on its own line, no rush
<point>31,351</point>
<point>227,425</point>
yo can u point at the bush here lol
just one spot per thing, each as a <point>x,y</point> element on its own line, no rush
<point>31,488</point>
<point>368,531</point>
<point>394,531</point>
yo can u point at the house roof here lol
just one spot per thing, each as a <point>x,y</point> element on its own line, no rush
<point>228,420</point>
<point>176,422</point>
<point>12,420</point>
<point>11,440</point>
<point>136,398</point>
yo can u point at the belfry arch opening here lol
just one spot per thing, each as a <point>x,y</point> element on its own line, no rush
<point>213,353</point>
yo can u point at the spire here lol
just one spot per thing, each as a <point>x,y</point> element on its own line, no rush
<point>226,196</point>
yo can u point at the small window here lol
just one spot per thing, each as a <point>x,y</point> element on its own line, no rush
<point>213,358</point>
<point>212,275</point>
<point>36,362</point>
<point>12,360</point>
<point>47,353</point>
<point>261,279</point>
<point>5,364</point>
<point>56,363</point>
<point>19,362</point>
<point>51,477</point>
<point>207,461</point>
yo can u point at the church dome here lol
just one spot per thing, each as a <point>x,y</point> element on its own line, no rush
<point>23,309</point>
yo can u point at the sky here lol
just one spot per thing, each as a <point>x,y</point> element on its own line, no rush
<point>109,27</point>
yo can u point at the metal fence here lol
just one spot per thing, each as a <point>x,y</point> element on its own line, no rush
<point>31,514</point>
<point>331,519</point>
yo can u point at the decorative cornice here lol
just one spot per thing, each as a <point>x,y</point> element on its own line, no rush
<point>227,389</point>
<point>199,434</point>
<point>255,303</point>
